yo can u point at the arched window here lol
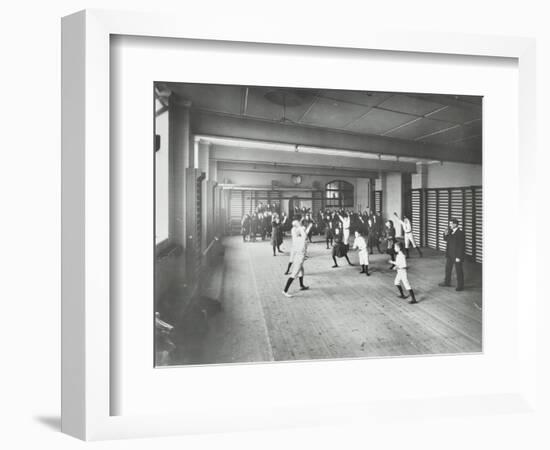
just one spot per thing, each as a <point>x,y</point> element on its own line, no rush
<point>339,194</point>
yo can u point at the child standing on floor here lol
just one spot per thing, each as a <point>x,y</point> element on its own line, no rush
<point>339,250</point>
<point>299,246</point>
<point>400,265</point>
<point>361,244</point>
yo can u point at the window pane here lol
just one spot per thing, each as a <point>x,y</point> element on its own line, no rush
<point>339,193</point>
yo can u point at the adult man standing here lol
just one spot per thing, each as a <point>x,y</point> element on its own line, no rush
<point>298,256</point>
<point>455,254</point>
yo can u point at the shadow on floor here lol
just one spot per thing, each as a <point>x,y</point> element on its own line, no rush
<point>51,422</point>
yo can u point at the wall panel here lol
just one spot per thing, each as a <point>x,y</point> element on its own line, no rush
<point>416,215</point>
<point>432,209</point>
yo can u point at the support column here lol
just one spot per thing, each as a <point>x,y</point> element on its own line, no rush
<point>380,182</point>
<point>217,229</point>
<point>180,160</point>
<point>202,161</point>
<point>419,180</point>
<point>213,170</point>
<point>202,152</point>
<point>362,194</point>
<point>393,200</point>
<point>380,185</point>
<point>372,200</point>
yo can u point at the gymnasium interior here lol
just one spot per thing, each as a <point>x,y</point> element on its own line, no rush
<point>223,151</point>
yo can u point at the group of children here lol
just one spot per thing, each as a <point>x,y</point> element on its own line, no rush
<point>340,246</point>
<point>259,224</point>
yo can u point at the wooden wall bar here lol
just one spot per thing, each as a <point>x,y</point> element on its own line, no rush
<point>431,210</point>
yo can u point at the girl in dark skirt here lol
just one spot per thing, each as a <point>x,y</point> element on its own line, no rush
<point>339,249</point>
<point>276,235</point>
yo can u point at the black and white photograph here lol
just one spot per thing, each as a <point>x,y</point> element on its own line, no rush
<point>297,224</point>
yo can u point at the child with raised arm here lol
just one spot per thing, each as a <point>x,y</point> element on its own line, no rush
<point>346,222</point>
<point>401,278</point>
<point>409,238</point>
<point>339,250</point>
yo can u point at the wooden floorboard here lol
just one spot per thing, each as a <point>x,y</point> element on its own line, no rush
<point>344,314</point>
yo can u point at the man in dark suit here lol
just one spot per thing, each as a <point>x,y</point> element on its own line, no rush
<point>455,254</point>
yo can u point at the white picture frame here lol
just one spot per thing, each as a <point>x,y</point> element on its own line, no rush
<point>86,283</point>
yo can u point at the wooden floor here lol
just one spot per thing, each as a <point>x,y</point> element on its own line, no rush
<point>344,314</point>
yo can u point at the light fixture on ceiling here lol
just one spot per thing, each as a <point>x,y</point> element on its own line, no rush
<point>287,98</point>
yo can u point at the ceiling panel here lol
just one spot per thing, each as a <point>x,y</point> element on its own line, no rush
<point>458,114</point>
<point>295,113</point>
<point>259,106</point>
<point>358,97</point>
<point>378,121</point>
<point>455,134</point>
<point>419,128</point>
<point>219,98</point>
<point>332,113</point>
<point>450,99</point>
<point>410,105</point>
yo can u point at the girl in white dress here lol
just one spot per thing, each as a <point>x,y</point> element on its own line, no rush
<point>361,244</point>
<point>298,252</point>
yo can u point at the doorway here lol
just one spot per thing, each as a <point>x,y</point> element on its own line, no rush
<point>293,206</point>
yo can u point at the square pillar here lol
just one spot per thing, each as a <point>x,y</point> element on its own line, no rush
<point>393,199</point>
<point>202,162</point>
<point>419,180</point>
<point>180,160</point>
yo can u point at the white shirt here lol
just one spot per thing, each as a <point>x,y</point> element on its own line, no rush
<point>360,243</point>
<point>298,239</point>
<point>400,261</point>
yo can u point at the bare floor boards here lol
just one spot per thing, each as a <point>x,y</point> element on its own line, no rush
<point>344,314</point>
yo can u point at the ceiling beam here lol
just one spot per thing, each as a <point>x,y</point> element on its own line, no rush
<point>206,123</point>
<point>237,166</point>
<point>276,157</point>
